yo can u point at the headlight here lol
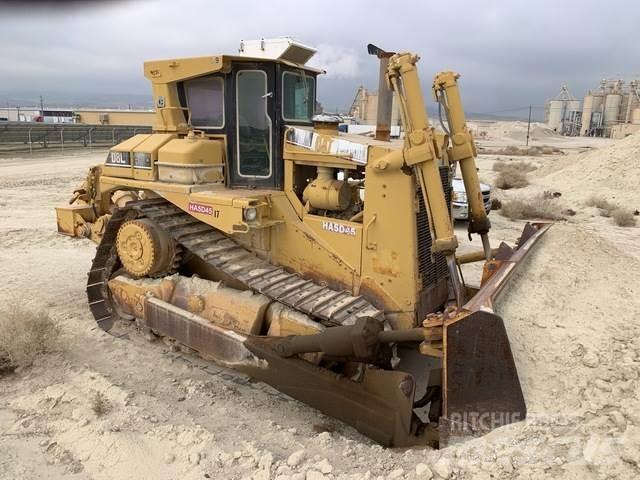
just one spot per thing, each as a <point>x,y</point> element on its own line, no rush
<point>460,197</point>
<point>250,214</point>
<point>142,160</point>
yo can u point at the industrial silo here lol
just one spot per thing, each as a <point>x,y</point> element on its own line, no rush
<point>556,114</point>
<point>587,108</point>
<point>592,112</point>
<point>612,109</point>
<point>635,116</point>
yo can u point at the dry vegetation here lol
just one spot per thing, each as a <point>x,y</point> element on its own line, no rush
<point>512,174</point>
<point>524,167</point>
<point>25,334</point>
<point>621,216</point>
<point>537,207</point>
<point>100,404</point>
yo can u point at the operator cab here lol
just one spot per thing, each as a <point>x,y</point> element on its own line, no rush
<point>266,88</point>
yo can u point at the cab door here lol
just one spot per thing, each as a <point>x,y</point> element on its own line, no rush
<point>255,141</point>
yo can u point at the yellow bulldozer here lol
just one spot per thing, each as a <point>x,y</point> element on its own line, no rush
<point>324,264</point>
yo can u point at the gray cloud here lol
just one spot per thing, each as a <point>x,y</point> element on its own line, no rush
<point>510,53</point>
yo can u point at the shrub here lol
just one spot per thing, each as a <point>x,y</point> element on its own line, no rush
<point>512,174</point>
<point>100,404</point>
<point>536,207</point>
<point>523,167</point>
<point>509,179</point>
<point>605,206</point>
<point>623,217</point>
<point>25,334</point>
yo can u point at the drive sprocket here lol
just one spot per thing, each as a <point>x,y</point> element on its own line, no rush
<point>145,250</point>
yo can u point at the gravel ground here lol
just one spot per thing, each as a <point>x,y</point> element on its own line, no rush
<point>572,314</point>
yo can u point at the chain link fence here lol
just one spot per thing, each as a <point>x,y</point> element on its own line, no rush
<point>21,136</point>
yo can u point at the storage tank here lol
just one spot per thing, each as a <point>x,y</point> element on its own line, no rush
<point>587,108</point>
<point>612,109</point>
<point>635,116</point>
<point>591,109</point>
<point>556,114</point>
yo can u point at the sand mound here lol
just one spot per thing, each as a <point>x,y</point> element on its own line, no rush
<point>611,171</point>
<point>518,131</point>
<point>564,340</point>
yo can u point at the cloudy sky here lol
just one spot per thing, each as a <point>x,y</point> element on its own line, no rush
<point>510,53</point>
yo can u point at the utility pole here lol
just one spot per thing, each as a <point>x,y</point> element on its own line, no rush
<point>529,125</point>
<point>41,106</point>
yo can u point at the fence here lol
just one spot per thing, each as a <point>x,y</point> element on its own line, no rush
<point>30,136</point>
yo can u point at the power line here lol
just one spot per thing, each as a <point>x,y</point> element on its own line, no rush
<point>514,109</point>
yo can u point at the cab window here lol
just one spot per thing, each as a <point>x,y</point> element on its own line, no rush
<point>205,99</point>
<point>253,124</point>
<point>298,96</point>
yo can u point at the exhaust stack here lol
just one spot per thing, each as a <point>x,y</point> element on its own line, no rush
<point>385,95</point>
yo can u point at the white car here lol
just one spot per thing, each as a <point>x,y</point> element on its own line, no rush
<point>459,199</point>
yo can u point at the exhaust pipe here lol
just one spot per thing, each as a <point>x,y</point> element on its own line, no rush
<point>385,95</point>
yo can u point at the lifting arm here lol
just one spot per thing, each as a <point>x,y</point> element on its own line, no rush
<point>463,151</point>
<point>420,154</point>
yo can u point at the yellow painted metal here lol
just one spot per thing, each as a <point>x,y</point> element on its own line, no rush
<point>420,148</point>
<point>125,147</point>
<point>374,256</point>
<point>241,311</point>
<point>389,245</point>
<point>192,160</point>
<point>463,149</point>
<point>145,155</point>
<point>73,220</point>
<point>327,194</point>
<point>143,248</point>
<point>339,237</point>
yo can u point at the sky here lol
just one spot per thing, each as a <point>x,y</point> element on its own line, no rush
<point>510,54</point>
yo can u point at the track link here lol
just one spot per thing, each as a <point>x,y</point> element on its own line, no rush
<point>326,305</point>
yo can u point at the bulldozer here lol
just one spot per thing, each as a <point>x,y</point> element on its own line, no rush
<point>252,231</point>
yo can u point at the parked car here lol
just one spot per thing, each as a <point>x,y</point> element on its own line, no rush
<point>459,200</point>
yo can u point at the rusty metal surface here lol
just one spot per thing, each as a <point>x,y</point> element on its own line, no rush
<point>380,405</point>
<point>494,284</point>
<point>224,346</point>
<point>481,386</point>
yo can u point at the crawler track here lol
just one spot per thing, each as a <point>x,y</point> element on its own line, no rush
<point>325,305</point>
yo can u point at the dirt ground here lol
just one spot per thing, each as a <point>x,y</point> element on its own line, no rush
<point>572,313</point>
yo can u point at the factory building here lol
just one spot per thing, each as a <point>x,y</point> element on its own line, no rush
<point>612,110</point>
<point>86,116</point>
<point>364,108</point>
<point>564,113</point>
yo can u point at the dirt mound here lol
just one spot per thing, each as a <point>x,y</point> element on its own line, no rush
<point>518,131</point>
<point>611,171</point>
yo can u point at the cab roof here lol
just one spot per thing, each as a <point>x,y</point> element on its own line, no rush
<point>285,50</point>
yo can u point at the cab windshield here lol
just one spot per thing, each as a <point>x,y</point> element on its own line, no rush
<point>299,93</point>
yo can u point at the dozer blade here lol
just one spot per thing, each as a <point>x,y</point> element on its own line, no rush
<point>481,387</point>
<point>379,404</point>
